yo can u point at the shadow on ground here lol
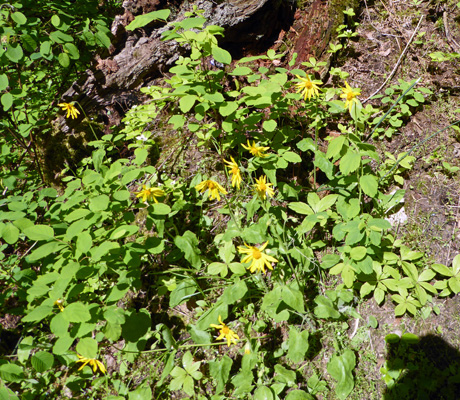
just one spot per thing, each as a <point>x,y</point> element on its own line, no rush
<point>428,369</point>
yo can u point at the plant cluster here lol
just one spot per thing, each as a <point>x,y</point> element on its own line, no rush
<point>287,230</point>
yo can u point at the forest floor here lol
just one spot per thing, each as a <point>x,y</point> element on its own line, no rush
<point>431,223</point>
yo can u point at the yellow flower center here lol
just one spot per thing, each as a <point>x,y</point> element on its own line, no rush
<point>211,185</point>
<point>225,330</point>
<point>262,187</point>
<point>256,254</point>
<point>234,170</point>
<point>308,85</point>
<point>350,96</point>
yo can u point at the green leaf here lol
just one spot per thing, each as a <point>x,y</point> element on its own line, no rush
<point>42,361</point>
<point>350,162</point>
<point>221,55</point>
<point>145,19</point>
<point>10,233</point>
<point>14,52</point>
<point>7,101</point>
<point>55,20</point>
<point>301,208</point>
<point>186,103</point>
<point>39,232</point>
<point>76,312</point>
<point>28,42</point>
<point>160,209</point>
<point>358,253</point>
<point>220,371</point>
<point>73,51</point>
<point>3,82</point>
<point>87,347</point>
<point>269,125</point>
<point>84,242</point>
<point>103,39</point>
<point>335,146</point>
<point>341,368</point>
<point>299,395</point>
<point>99,203</point>
<point>325,308</point>
<point>298,344</point>
<point>142,392</point>
<point>100,251</point>
<point>11,372</point>
<point>188,243</point>
<point>198,336</point>
<point>19,18</point>
<point>234,293</point>
<point>292,157</point>
<point>64,59</point>
<point>263,393</point>
<point>228,108</point>
<point>238,71</point>
<point>284,375</point>
<point>182,292</point>
<point>442,269</point>
<point>39,313</point>
<point>369,185</point>
<point>45,250</point>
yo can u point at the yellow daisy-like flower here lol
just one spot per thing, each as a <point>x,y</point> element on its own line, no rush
<point>150,193</point>
<point>95,364</point>
<point>60,304</point>
<point>257,151</point>
<point>308,87</point>
<point>263,188</point>
<point>225,332</point>
<point>350,96</point>
<point>235,171</point>
<point>214,189</point>
<point>259,260</point>
<point>70,108</point>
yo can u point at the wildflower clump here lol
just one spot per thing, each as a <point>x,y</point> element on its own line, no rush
<point>214,189</point>
<point>71,110</point>
<point>259,260</point>
<point>256,151</point>
<point>149,194</point>
<point>225,332</point>
<point>234,171</point>
<point>350,95</point>
<point>95,364</point>
<point>308,87</point>
<point>263,189</point>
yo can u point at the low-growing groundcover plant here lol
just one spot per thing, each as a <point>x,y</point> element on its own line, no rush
<point>132,283</point>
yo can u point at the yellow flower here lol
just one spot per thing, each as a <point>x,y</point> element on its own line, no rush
<point>59,303</point>
<point>150,193</point>
<point>263,188</point>
<point>70,108</point>
<point>257,151</point>
<point>225,332</point>
<point>95,364</point>
<point>213,187</point>
<point>350,96</point>
<point>259,260</point>
<point>308,87</point>
<point>235,171</point>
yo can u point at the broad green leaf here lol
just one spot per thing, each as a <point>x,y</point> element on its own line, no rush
<point>142,20</point>
<point>301,208</point>
<point>55,20</point>
<point>186,103</point>
<point>19,18</point>
<point>76,312</point>
<point>442,269</point>
<point>234,293</point>
<point>10,233</point>
<point>39,232</point>
<point>299,395</point>
<point>227,108</point>
<point>160,209</point>
<point>198,336</point>
<point>182,292</point>
<point>84,242</point>
<point>298,344</point>
<point>188,243</point>
<point>369,185</point>
<point>11,372</point>
<point>38,313</point>
<point>64,59</point>
<point>99,203</point>
<point>358,253</point>
<point>45,250</point>
<point>326,202</point>
<point>87,347</point>
<point>263,393</point>
<point>7,101</point>
<point>340,367</point>
<point>325,308</point>
<point>350,162</point>
<point>100,251</point>
<point>335,146</point>
<point>221,55</point>
<point>142,392</point>
<point>241,71</point>
<point>14,52</point>
<point>284,375</point>
<point>292,157</point>
<point>73,51</point>
<point>3,82</point>
<point>42,361</point>
<point>220,371</point>
<point>137,324</point>
<point>269,125</point>
<point>102,38</point>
